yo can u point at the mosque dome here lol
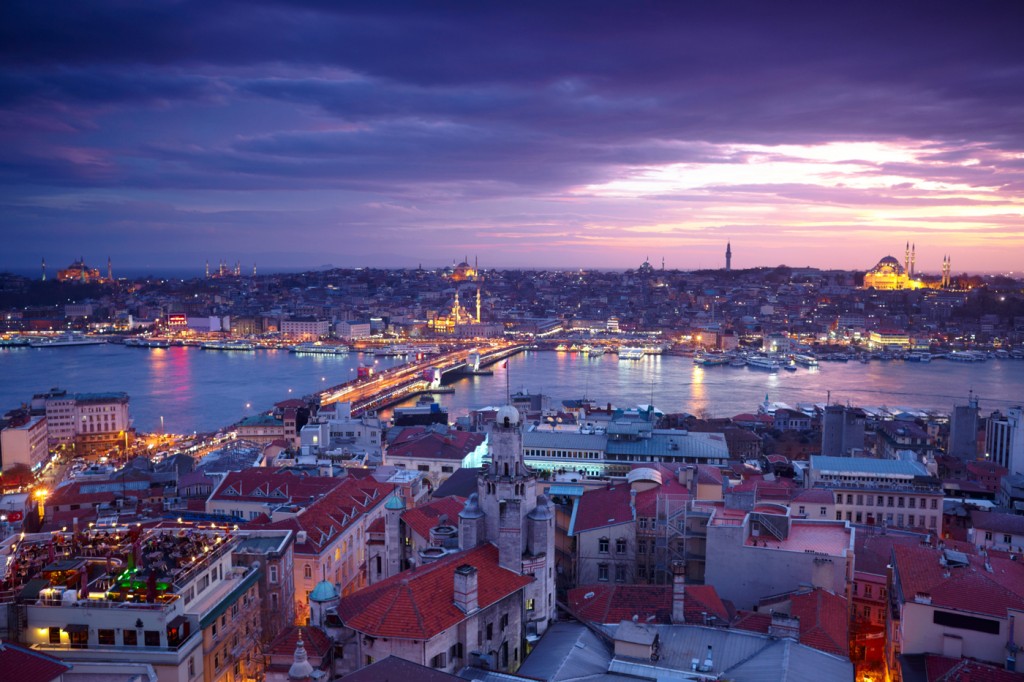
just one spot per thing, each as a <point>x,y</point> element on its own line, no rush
<point>323,592</point>
<point>507,412</point>
<point>888,264</point>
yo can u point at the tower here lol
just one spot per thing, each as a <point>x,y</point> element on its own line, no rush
<point>728,256</point>
<point>478,303</point>
<point>913,257</point>
<point>906,259</point>
<point>110,270</point>
<point>207,268</point>
<point>44,269</point>
<point>507,511</point>
<point>963,430</point>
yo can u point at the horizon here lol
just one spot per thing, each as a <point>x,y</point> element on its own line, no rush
<point>592,134</point>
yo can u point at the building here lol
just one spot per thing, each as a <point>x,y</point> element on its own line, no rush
<point>842,431</point>
<point>249,493</point>
<point>436,451</point>
<point>89,422</point>
<point>305,328</point>
<point>963,431</point>
<point>1004,439</point>
<point>273,552</point>
<point>898,435</point>
<point>24,441</point>
<point>888,338</point>
<point>946,602</point>
<point>894,493</point>
<point>331,534</point>
<point>353,329</point>
<point>996,530</point>
<point>79,272</point>
<point>764,552</point>
<point>169,598</point>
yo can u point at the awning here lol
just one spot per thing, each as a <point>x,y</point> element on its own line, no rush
<point>76,627</point>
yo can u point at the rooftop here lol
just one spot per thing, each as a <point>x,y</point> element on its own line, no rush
<point>866,465</point>
<point>821,537</point>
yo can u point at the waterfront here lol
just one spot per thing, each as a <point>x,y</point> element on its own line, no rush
<point>203,390</point>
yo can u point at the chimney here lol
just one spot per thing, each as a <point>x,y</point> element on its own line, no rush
<point>784,625</point>
<point>466,589</point>
<point>678,592</point>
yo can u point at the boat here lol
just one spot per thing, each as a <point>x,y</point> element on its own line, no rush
<point>66,340</point>
<point>789,366</point>
<point>13,342</point>
<point>317,348</point>
<point>597,351</point>
<point>966,356</point>
<point>918,357</point>
<point>630,353</point>
<point>805,360</point>
<point>711,359</point>
<point>738,362</point>
<point>394,350</point>
<point>561,348</point>
<point>761,362</point>
<point>228,345</point>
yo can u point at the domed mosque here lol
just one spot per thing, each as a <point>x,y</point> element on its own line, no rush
<point>890,275</point>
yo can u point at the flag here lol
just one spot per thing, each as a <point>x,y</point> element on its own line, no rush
<point>505,364</point>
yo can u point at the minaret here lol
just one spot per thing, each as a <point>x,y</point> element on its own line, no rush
<point>44,269</point>
<point>301,668</point>
<point>728,256</point>
<point>478,303</point>
<point>207,268</point>
<point>906,259</point>
<point>913,257</point>
<point>253,269</point>
<point>110,270</point>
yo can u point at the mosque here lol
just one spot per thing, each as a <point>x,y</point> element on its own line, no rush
<point>890,275</point>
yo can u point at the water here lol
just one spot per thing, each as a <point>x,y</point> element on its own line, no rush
<point>196,390</point>
<point>192,389</point>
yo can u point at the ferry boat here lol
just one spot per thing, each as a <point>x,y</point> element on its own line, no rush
<point>13,342</point>
<point>631,353</point>
<point>738,362</point>
<point>805,360</point>
<point>137,342</point>
<point>228,345</point>
<point>395,350</point>
<point>918,357</point>
<point>789,366</point>
<point>711,359</point>
<point>761,362</point>
<point>966,356</point>
<point>66,340</point>
<point>318,349</point>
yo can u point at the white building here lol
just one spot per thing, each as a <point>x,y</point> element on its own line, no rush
<point>305,328</point>
<point>1004,439</point>
<point>24,442</point>
<point>353,329</point>
<point>90,421</point>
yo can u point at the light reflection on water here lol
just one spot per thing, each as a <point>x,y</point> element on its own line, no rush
<point>205,390</point>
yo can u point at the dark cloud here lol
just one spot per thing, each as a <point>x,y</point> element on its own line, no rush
<point>476,105</point>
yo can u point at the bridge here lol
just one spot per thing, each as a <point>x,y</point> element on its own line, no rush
<point>367,393</point>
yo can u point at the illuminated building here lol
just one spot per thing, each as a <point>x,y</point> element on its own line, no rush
<point>457,316</point>
<point>464,272</point>
<point>890,275</point>
<point>79,272</point>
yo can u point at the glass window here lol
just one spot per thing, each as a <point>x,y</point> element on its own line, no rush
<point>620,546</point>
<point>602,545</point>
<point>130,637</point>
<point>620,573</point>
<point>602,571</point>
<point>152,637</point>
<point>55,635</point>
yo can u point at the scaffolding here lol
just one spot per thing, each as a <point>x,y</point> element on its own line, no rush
<point>680,537</point>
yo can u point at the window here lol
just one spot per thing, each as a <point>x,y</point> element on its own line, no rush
<point>504,622</point>
<point>273,601</point>
<point>152,637</point>
<point>423,467</point>
<point>890,500</point>
<point>530,604</point>
<point>988,535</point>
<point>641,571</point>
<point>641,546</point>
<point>934,503</point>
<point>849,498</point>
<point>620,573</point>
<point>931,522</point>
<point>272,574</point>
<point>307,571</point>
<point>910,520</point>
<point>1006,538</point>
<point>899,501</point>
<point>620,546</point>
<point>802,510</point>
<point>490,631</point>
<point>54,635</point>
<point>216,661</point>
<point>867,612</point>
<point>439,661</point>
<point>881,501</point>
<point>602,545</point>
<point>823,511</point>
<point>867,591</point>
<point>913,502</point>
<point>643,522</point>
<point>602,571</point>
<point>447,470</point>
<point>191,667</point>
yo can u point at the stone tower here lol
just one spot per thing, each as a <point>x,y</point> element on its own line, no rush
<point>507,512</point>
<point>728,257</point>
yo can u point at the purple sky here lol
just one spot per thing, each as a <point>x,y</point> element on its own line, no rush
<point>544,134</point>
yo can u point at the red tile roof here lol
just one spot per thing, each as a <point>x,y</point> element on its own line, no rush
<point>606,604</point>
<point>969,588</point>
<point>998,522</point>
<point>873,550</point>
<point>601,507</point>
<point>426,443</point>
<point>824,621</point>
<point>327,518</point>
<point>26,665</point>
<point>942,669</point>
<point>420,603</point>
<point>422,519</point>
<point>314,640</point>
<point>647,500</point>
<point>271,484</point>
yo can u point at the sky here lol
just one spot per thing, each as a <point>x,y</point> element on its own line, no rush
<point>528,134</point>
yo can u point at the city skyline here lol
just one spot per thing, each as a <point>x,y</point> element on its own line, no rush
<point>577,135</point>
